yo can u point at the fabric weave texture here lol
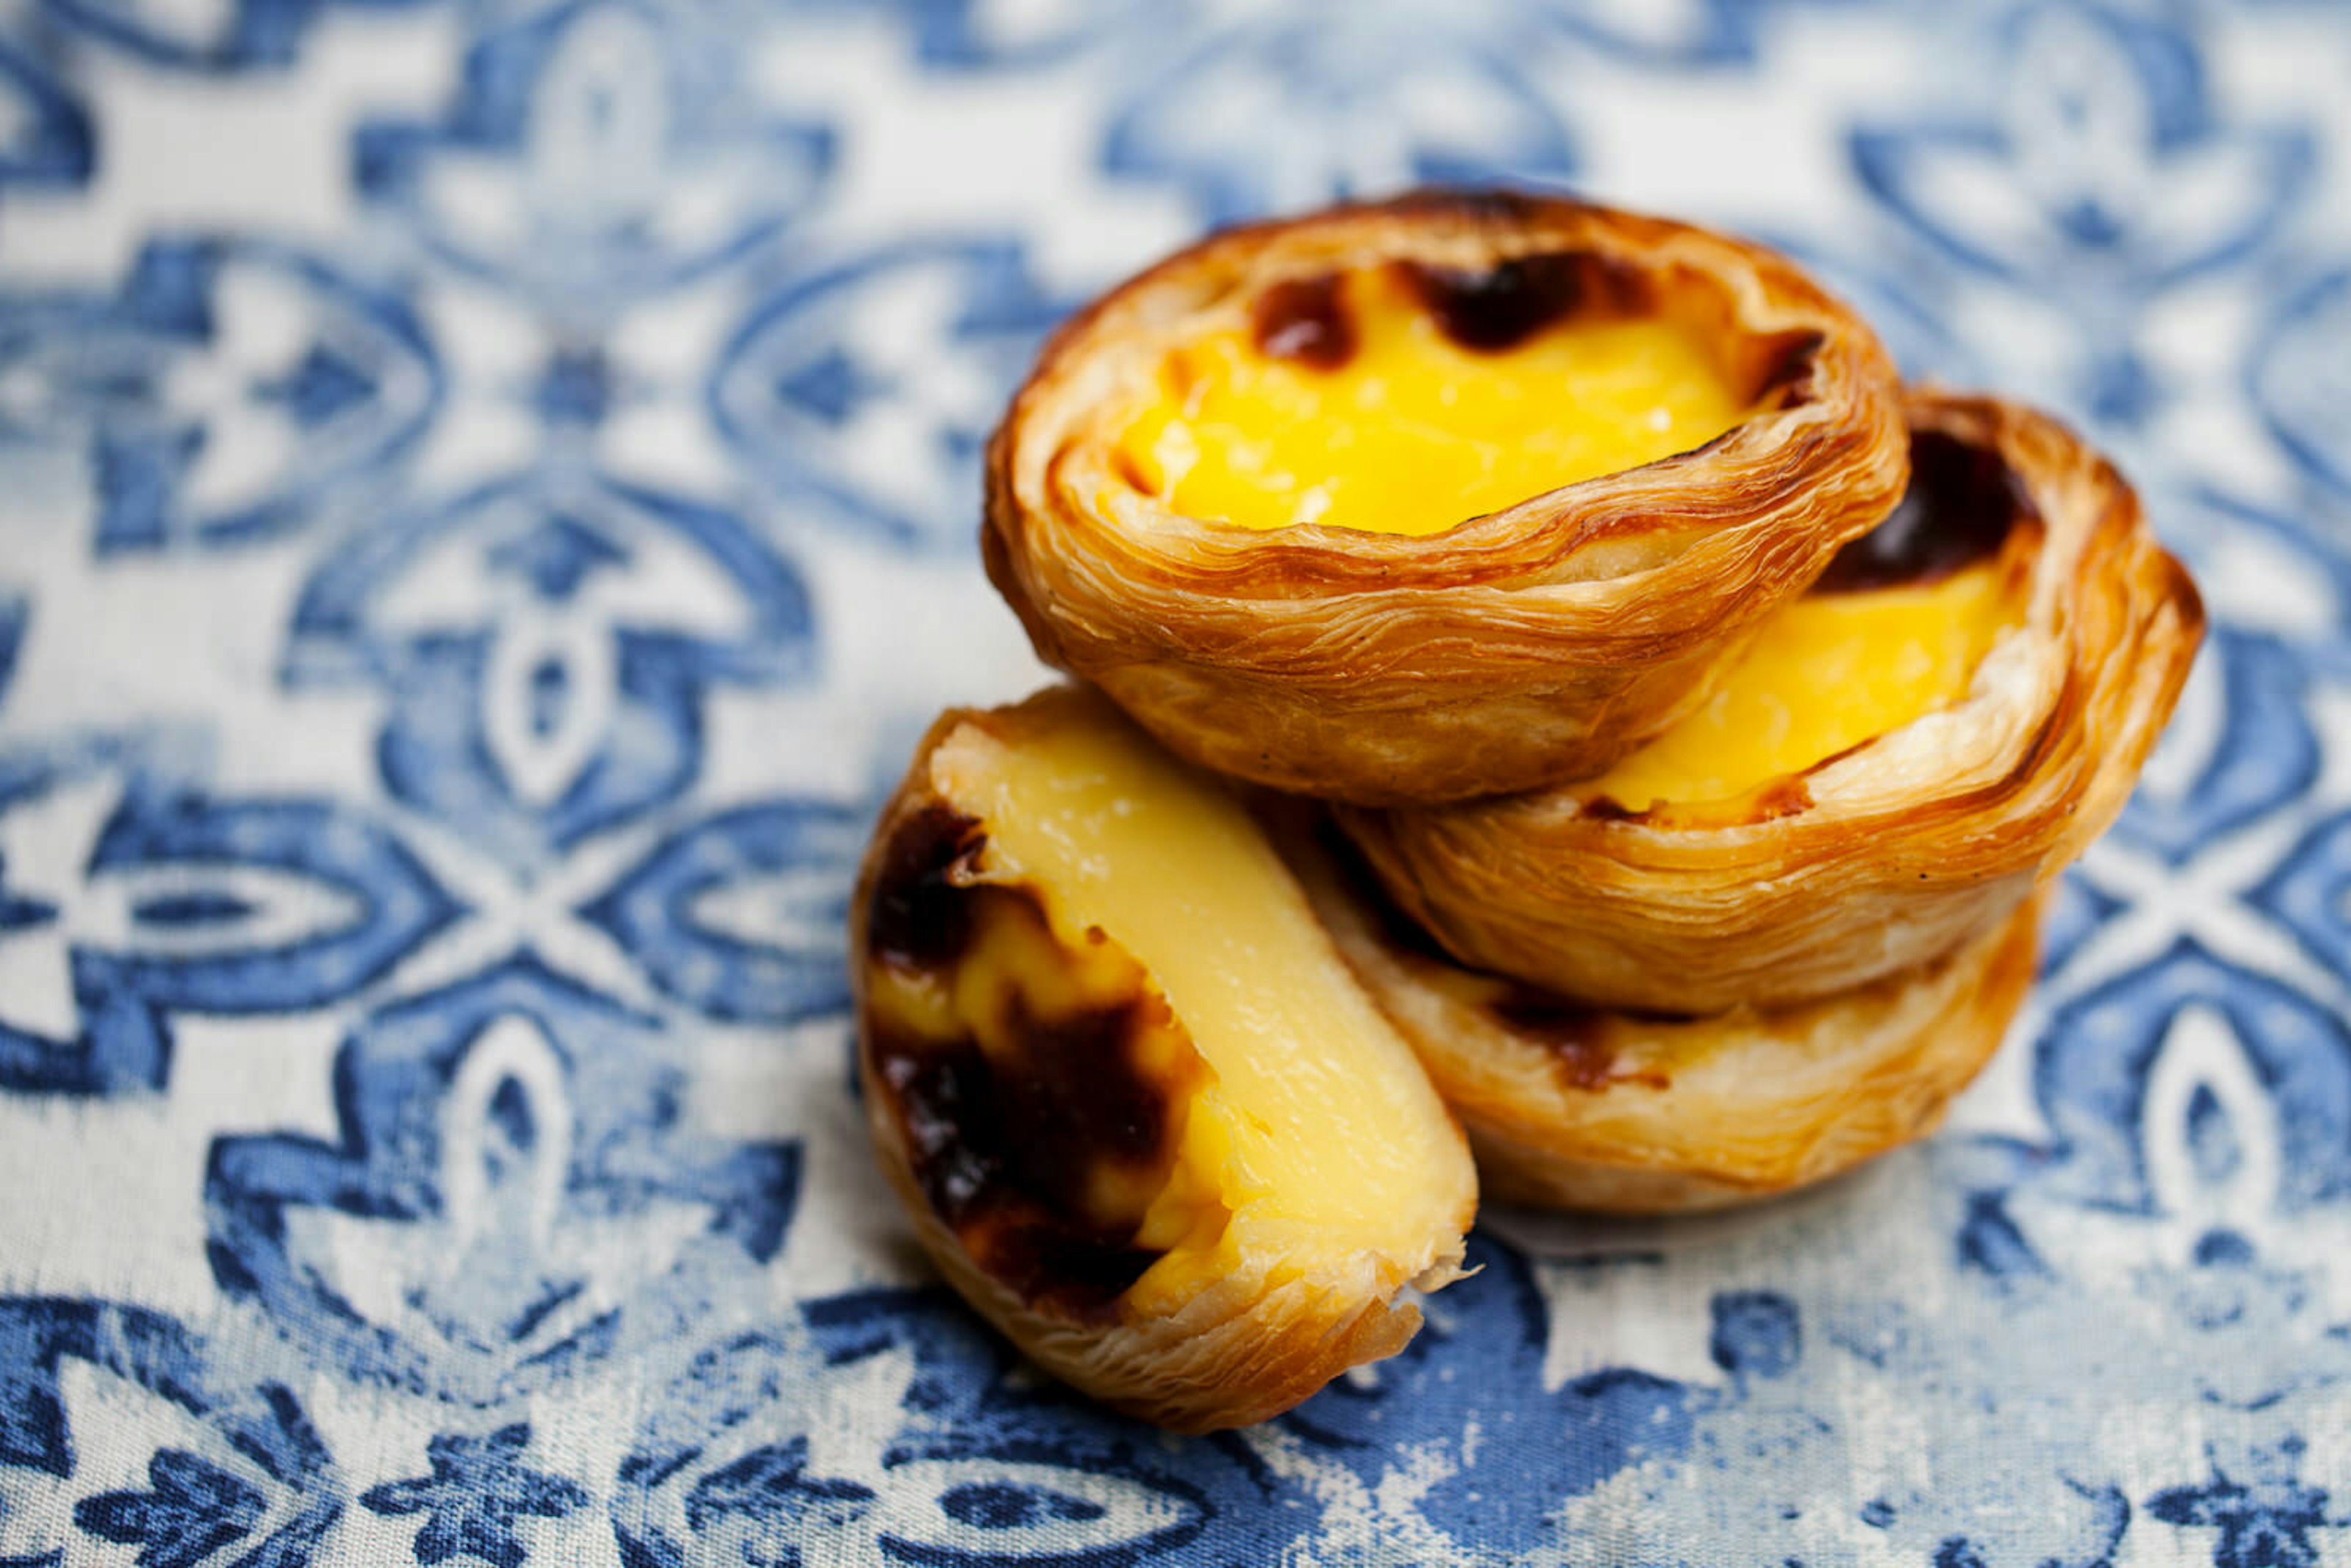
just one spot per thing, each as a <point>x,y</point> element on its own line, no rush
<point>487,498</point>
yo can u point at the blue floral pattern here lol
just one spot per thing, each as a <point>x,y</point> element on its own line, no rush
<point>228,389</point>
<point>557,170</point>
<point>461,592</point>
<point>479,1487</point>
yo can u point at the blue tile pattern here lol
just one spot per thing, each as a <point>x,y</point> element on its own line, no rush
<point>487,501</point>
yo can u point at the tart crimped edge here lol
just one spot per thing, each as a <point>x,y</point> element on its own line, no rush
<point>1531,644</point>
<point>1689,1115</point>
<point>1899,849</point>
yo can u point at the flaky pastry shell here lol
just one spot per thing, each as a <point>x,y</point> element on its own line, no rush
<point>1879,858</point>
<point>1526,646</point>
<point>1248,1344</point>
<point>1611,1112</point>
<point>1243,1350</point>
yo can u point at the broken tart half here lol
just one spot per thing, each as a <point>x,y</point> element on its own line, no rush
<point>1451,496</point>
<point>1143,1115</point>
<point>1956,709</point>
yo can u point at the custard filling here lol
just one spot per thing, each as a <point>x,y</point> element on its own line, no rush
<point>1825,675</point>
<point>1893,631</point>
<point>1402,401</point>
<point>1287,1119</point>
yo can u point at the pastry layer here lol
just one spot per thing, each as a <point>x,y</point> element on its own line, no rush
<point>1606,1111</point>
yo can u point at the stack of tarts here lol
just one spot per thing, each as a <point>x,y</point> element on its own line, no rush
<point>1555,711</point>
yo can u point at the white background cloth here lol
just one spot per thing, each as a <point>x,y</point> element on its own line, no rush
<point>486,503</point>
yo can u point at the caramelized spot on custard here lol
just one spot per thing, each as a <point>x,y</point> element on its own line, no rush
<point>919,917</point>
<point>1963,502</point>
<point>1786,795</point>
<point>1305,320</point>
<point>1788,374</point>
<point>1041,1130</point>
<point>1494,310</point>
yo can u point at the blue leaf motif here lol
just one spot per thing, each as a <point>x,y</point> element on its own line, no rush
<point>2310,891</point>
<point>2259,755</point>
<point>269,1511</point>
<point>515,1180</point>
<point>988,1510</point>
<point>192,1513</point>
<point>790,1514</point>
<point>2096,1059</point>
<point>230,390</point>
<point>745,1458</point>
<point>682,913</point>
<point>2107,141</point>
<point>2265,1517</point>
<point>1002,1505</point>
<point>548,644</point>
<point>124,897</point>
<point>628,157</point>
<point>478,1488</point>
<point>867,387</point>
<point>322,901</point>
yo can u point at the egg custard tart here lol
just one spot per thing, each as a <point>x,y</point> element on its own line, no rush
<point>1143,1115</point>
<point>1959,705</point>
<point>1612,1112</point>
<point>1450,495</point>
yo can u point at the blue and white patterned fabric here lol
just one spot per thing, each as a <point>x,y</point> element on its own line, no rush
<point>487,493</point>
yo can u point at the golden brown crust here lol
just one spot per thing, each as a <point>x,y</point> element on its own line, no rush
<point>1898,850</point>
<point>1242,1351</point>
<point>1243,1347</point>
<point>1534,644</point>
<point>1649,1115</point>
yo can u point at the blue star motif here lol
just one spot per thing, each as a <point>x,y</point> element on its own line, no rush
<point>479,1488</point>
<point>575,387</point>
<point>193,1511</point>
<point>832,387</point>
<point>325,384</point>
<point>2265,1522</point>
